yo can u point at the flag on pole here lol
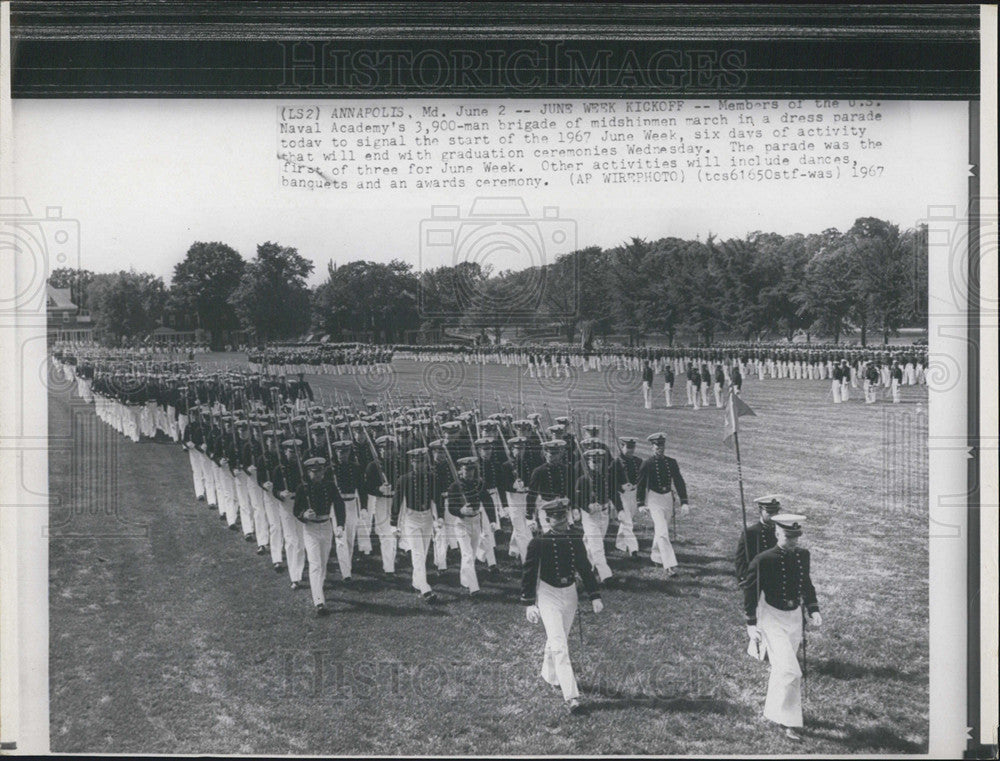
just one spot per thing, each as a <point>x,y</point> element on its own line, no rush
<point>735,409</point>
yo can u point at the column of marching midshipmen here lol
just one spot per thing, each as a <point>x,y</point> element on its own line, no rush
<point>398,479</point>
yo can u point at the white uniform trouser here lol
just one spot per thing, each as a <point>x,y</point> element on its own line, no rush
<point>227,500</point>
<point>196,476</point>
<point>558,608</point>
<point>208,474</point>
<point>595,526</point>
<point>845,391</point>
<point>626,540</point>
<point>717,388</point>
<point>261,522</point>
<point>345,545</point>
<point>869,392</point>
<point>417,526</point>
<point>383,528</point>
<point>521,534</point>
<point>895,391</point>
<point>275,529</point>
<point>704,394</point>
<point>782,633</point>
<point>487,541</point>
<point>835,386</point>
<point>243,500</point>
<point>291,529</point>
<point>659,510</point>
<point>468,532</point>
<point>647,399</point>
<point>318,539</point>
<point>667,392</point>
<point>440,540</point>
<point>364,532</point>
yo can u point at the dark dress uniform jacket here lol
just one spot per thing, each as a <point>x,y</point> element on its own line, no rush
<point>548,481</point>
<point>474,494</point>
<point>556,558</point>
<point>755,540</point>
<point>417,488</point>
<point>783,576</point>
<point>321,496</point>
<point>659,473</point>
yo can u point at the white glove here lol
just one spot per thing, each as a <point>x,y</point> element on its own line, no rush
<point>629,487</point>
<point>816,619</point>
<point>598,605</point>
<point>594,507</point>
<point>203,447</point>
<point>189,444</point>
<point>519,485</point>
<point>685,509</point>
<point>285,494</point>
<point>310,514</point>
<point>251,469</point>
<point>268,485</point>
<point>385,490</point>
<point>439,524</point>
<point>495,526</point>
<point>753,632</point>
<point>643,509</point>
<point>396,531</point>
<point>467,511</point>
<point>533,614</point>
<point>339,532</point>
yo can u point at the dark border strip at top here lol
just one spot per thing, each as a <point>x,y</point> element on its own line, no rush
<point>537,50</point>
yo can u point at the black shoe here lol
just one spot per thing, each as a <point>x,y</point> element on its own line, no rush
<point>572,706</point>
<point>297,585</point>
<point>234,527</point>
<point>792,734</point>
<point>475,593</point>
<point>279,567</point>
<point>201,497</point>
<point>494,573</point>
<point>222,517</point>
<point>322,610</point>
<point>210,506</point>
<point>248,537</point>
<point>429,596</point>
<point>261,550</point>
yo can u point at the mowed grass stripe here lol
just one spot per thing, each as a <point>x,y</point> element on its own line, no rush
<point>180,638</point>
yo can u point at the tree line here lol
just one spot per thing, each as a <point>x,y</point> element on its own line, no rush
<point>870,281</point>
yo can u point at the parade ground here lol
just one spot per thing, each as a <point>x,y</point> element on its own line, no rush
<point>169,634</point>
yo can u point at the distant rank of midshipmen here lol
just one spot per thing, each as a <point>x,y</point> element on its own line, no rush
<point>304,482</point>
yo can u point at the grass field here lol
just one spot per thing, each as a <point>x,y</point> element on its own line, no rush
<point>168,634</point>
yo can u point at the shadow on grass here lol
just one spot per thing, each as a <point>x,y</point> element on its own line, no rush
<point>838,669</point>
<point>881,737</point>
<point>617,701</point>
<point>675,586</point>
<point>418,608</point>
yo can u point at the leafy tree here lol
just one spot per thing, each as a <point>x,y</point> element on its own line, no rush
<point>272,298</point>
<point>367,296</point>
<point>827,292</point>
<point>880,269</point>
<point>126,304</point>
<point>203,283</point>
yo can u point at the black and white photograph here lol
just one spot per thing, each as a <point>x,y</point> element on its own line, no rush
<point>439,422</point>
